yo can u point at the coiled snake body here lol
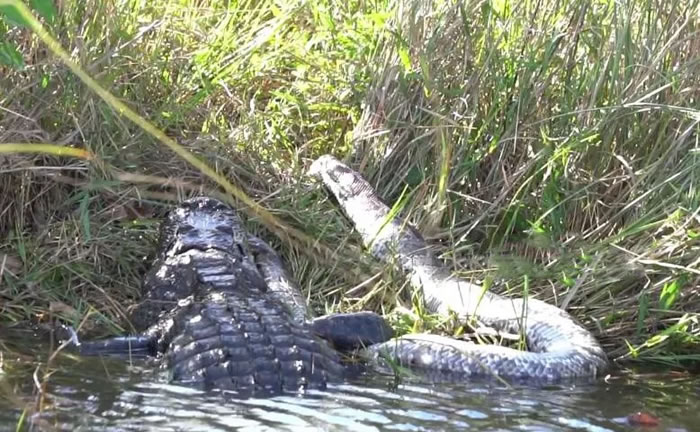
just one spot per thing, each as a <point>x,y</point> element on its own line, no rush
<point>559,348</point>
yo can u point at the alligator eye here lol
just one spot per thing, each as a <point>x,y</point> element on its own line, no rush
<point>226,229</point>
<point>185,229</point>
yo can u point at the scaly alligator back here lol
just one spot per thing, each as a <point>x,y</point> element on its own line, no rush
<point>210,311</point>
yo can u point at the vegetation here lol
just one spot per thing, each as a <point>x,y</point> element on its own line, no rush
<point>547,147</point>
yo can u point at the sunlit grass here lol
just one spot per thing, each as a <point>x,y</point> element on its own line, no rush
<point>569,136</point>
<point>547,144</point>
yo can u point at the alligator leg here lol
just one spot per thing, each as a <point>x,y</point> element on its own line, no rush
<point>278,279</point>
<point>153,317</point>
<point>350,331</point>
<point>136,345</point>
<point>344,331</point>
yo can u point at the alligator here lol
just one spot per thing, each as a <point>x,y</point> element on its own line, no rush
<point>559,347</point>
<point>220,312</point>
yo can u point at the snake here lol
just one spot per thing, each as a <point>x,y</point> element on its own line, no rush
<point>558,347</point>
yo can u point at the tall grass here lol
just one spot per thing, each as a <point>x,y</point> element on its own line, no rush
<point>547,146</point>
<point>561,141</point>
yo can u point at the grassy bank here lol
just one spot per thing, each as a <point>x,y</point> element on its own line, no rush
<point>548,147</point>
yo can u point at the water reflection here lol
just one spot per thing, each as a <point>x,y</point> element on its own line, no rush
<point>110,394</point>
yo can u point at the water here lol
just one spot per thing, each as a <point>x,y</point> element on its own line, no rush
<point>85,393</point>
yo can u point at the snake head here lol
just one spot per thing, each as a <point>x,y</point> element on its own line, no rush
<point>343,182</point>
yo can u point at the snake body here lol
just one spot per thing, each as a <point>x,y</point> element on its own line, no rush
<point>558,347</point>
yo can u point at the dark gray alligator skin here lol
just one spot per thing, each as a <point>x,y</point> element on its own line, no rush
<point>216,321</point>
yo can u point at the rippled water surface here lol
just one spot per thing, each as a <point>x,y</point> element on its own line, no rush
<point>111,394</point>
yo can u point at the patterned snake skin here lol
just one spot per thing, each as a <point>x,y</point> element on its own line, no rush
<point>559,348</point>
